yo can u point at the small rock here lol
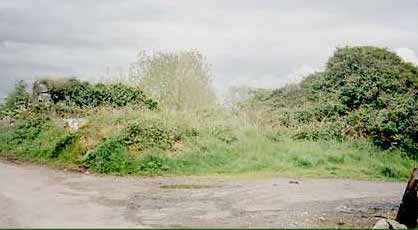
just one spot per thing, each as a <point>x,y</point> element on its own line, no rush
<point>7,122</point>
<point>396,225</point>
<point>293,182</point>
<point>41,92</point>
<point>322,218</point>
<point>381,224</point>
<point>388,224</point>
<point>75,123</point>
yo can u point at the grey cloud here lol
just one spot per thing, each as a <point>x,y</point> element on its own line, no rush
<point>257,43</point>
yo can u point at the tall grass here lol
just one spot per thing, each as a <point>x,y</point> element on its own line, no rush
<point>230,144</point>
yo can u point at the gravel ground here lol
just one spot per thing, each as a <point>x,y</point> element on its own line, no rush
<point>34,196</point>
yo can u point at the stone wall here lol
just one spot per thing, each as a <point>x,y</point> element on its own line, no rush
<point>40,92</point>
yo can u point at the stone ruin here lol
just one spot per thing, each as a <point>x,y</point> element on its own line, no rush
<point>41,92</point>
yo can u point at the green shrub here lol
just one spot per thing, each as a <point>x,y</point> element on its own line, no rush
<point>109,156</point>
<point>28,129</point>
<point>364,92</point>
<point>151,134</point>
<point>73,92</point>
<point>38,138</point>
<point>152,164</point>
<point>326,131</point>
<point>224,134</point>
<point>62,144</point>
<point>381,89</point>
<point>389,171</point>
<point>148,137</point>
<point>16,101</point>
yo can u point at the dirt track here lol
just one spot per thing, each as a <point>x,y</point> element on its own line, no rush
<point>32,196</point>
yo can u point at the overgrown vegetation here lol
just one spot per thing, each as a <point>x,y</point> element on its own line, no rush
<point>16,101</point>
<point>356,119</point>
<point>364,93</point>
<point>72,92</point>
<point>177,80</point>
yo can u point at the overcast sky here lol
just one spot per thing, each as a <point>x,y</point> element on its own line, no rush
<point>261,43</point>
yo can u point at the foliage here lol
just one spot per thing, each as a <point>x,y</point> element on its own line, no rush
<point>28,129</point>
<point>100,146</point>
<point>109,156</point>
<point>62,144</point>
<point>224,134</point>
<point>16,101</point>
<point>73,92</point>
<point>112,154</point>
<point>153,164</point>
<point>364,92</point>
<point>321,127</point>
<point>178,80</point>
<point>150,135</point>
<point>36,137</point>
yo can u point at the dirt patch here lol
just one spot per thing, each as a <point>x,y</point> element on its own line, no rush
<point>355,213</point>
<point>11,160</point>
<point>189,186</point>
<point>44,197</point>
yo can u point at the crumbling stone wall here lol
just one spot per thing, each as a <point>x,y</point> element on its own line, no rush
<point>40,92</point>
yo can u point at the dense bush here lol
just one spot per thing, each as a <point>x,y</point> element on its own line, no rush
<point>150,135</point>
<point>73,92</point>
<point>379,92</point>
<point>112,154</point>
<point>364,92</point>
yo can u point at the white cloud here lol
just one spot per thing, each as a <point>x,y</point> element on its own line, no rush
<point>408,55</point>
<point>301,72</point>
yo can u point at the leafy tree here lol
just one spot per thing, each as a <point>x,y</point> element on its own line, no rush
<point>177,80</point>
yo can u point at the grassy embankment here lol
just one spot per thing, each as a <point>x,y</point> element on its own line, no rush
<point>291,132</point>
<point>221,144</point>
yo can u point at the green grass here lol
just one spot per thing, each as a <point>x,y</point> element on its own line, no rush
<point>255,154</point>
<point>212,143</point>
